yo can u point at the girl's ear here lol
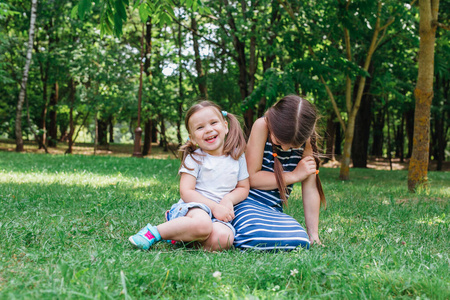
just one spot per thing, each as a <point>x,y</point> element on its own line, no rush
<point>191,139</point>
<point>226,125</point>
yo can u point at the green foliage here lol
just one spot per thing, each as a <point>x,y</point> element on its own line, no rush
<point>65,221</point>
<point>114,14</point>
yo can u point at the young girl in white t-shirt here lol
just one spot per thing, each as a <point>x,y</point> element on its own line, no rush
<point>213,179</point>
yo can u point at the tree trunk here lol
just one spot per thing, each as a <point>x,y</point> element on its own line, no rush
<point>111,129</point>
<point>137,152</point>
<point>409,118</point>
<point>377,129</point>
<point>445,117</point>
<point>423,93</point>
<point>439,140</point>
<point>362,130</point>
<point>353,108</point>
<point>23,85</point>
<point>102,131</point>
<point>95,133</point>
<point>400,140</point>
<point>330,137</point>
<point>180,86</point>
<point>147,149</point>
<point>148,126</point>
<point>344,173</point>
<point>389,144</point>
<point>201,78</point>
<point>163,138</point>
<point>148,48</point>
<point>43,128</point>
<point>53,129</point>
<point>246,77</point>
<point>72,91</point>
<point>338,140</point>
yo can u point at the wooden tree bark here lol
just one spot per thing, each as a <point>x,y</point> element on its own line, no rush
<point>53,129</point>
<point>138,131</point>
<point>102,133</point>
<point>202,87</point>
<point>378,123</point>
<point>409,120</point>
<point>352,108</point>
<point>180,86</point>
<point>338,139</point>
<point>352,102</point>
<point>23,85</point>
<point>72,91</point>
<point>147,147</point>
<point>423,93</point>
<point>362,128</point>
<point>330,137</point>
<point>246,76</point>
<point>442,123</point>
<point>111,128</point>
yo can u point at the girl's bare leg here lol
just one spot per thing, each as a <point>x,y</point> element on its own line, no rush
<point>195,226</point>
<point>221,238</point>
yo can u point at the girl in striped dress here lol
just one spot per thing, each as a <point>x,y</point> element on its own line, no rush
<point>281,151</point>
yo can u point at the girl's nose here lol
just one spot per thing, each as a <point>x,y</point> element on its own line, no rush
<point>208,128</point>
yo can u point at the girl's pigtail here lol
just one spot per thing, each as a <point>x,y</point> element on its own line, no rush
<point>235,143</point>
<point>317,160</point>
<point>187,149</point>
<point>278,171</point>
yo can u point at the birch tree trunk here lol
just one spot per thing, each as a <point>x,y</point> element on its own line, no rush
<point>23,86</point>
<point>418,165</point>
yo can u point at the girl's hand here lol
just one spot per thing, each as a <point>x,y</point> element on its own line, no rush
<point>314,240</point>
<point>223,212</point>
<point>227,203</point>
<point>305,168</point>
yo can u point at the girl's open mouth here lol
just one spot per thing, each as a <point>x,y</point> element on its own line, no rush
<point>211,139</point>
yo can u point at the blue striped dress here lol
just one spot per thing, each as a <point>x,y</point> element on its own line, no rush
<point>259,220</point>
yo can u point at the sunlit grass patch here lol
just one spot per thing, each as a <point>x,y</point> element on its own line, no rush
<point>65,220</point>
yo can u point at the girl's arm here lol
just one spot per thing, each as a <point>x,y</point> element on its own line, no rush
<point>237,195</point>
<point>311,204</point>
<point>254,155</point>
<point>189,194</point>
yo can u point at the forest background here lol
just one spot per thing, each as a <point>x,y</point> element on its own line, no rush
<point>101,69</point>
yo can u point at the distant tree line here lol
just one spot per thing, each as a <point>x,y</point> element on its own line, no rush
<point>356,60</point>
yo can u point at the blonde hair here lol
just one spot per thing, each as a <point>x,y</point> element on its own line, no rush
<point>292,121</point>
<point>234,143</point>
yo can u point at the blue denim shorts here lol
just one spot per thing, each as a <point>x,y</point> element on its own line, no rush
<point>181,208</point>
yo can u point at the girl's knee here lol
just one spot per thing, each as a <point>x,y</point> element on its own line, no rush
<point>221,238</point>
<point>224,241</point>
<point>202,229</point>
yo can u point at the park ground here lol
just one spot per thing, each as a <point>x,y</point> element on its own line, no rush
<point>65,222</point>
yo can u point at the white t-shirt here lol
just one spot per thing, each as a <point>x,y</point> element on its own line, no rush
<point>216,175</point>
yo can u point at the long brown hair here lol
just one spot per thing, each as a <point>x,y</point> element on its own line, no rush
<point>292,121</point>
<point>235,141</point>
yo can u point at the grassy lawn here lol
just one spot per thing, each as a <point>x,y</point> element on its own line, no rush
<point>65,220</point>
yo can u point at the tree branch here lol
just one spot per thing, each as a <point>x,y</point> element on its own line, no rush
<point>438,24</point>
<point>206,39</point>
<point>348,81</point>
<point>333,102</point>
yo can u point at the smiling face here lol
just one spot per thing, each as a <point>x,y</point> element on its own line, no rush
<point>208,129</point>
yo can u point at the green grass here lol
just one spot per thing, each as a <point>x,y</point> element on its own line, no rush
<point>65,220</point>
